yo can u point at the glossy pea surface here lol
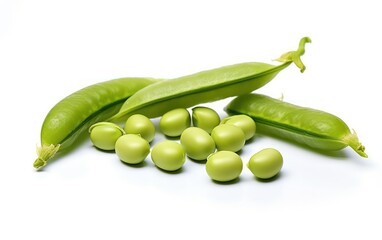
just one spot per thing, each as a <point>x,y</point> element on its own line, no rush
<point>142,125</point>
<point>244,122</point>
<point>205,118</point>
<point>266,163</point>
<point>132,148</point>
<point>105,134</point>
<point>224,166</point>
<point>168,155</point>
<point>197,143</point>
<point>174,122</point>
<point>228,137</point>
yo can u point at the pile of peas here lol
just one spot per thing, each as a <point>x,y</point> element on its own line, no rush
<point>203,137</point>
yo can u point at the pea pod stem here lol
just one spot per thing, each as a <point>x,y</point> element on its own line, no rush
<point>207,86</point>
<point>295,56</point>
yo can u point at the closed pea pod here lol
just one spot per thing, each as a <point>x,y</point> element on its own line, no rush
<point>207,86</point>
<point>314,128</point>
<point>73,115</point>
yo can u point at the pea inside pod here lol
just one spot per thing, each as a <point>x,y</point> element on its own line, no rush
<point>207,86</point>
<point>310,127</point>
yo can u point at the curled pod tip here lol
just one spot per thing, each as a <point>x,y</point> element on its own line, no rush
<point>353,141</point>
<point>310,127</point>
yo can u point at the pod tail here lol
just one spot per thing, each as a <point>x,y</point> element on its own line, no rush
<point>353,141</point>
<point>45,152</point>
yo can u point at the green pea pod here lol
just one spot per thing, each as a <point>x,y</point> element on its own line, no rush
<point>307,126</point>
<point>73,115</point>
<point>207,86</point>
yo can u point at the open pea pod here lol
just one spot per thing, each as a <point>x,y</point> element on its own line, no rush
<point>310,127</point>
<point>207,86</point>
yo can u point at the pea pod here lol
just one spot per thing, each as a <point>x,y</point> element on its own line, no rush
<point>307,126</point>
<point>74,114</point>
<point>207,86</point>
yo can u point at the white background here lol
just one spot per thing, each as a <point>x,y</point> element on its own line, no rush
<point>49,49</point>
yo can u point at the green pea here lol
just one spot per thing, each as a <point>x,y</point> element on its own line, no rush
<point>168,155</point>
<point>132,149</point>
<point>174,122</point>
<point>224,166</point>
<point>197,143</point>
<point>142,125</point>
<point>266,163</point>
<point>228,137</point>
<point>244,122</point>
<point>104,135</point>
<point>205,118</point>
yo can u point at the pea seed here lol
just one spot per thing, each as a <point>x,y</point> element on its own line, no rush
<point>132,148</point>
<point>228,137</point>
<point>244,122</point>
<point>142,125</point>
<point>266,164</point>
<point>174,122</point>
<point>197,143</point>
<point>205,118</point>
<point>224,166</point>
<point>105,134</point>
<point>168,155</point>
